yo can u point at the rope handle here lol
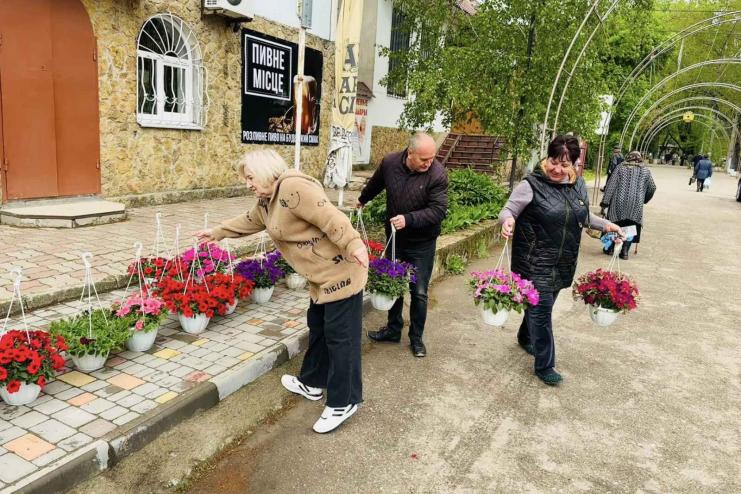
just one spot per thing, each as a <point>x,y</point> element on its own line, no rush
<point>615,260</point>
<point>18,272</point>
<point>360,226</point>
<point>392,241</point>
<point>91,290</point>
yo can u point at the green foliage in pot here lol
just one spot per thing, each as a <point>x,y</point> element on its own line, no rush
<point>108,332</point>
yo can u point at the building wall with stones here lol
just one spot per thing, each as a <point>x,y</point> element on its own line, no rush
<point>141,160</point>
<point>386,140</point>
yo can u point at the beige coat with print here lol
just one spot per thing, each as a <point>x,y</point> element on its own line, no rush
<point>314,236</point>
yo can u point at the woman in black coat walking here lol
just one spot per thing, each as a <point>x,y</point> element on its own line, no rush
<point>551,208</point>
<point>630,188</point>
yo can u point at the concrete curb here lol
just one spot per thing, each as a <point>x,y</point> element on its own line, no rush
<point>109,450</point>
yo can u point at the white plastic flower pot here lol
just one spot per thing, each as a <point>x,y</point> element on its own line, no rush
<point>262,295</point>
<point>295,281</point>
<point>194,325</point>
<point>27,394</point>
<point>601,316</point>
<point>139,341</point>
<point>230,308</point>
<point>89,363</point>
<point>381,301</point>
<point>149,280</point>
<point>492,318</point>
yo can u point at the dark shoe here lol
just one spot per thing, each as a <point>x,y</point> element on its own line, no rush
<point>384,334</point>
<point>529,348</point>
<point>549,376</point>
<point>418,349</point>
<point>625,250</point>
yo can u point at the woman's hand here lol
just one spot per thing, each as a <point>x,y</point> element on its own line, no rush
<point>508,226</point>
<point>613,228</point>
<point>360,256</point>
<point>204,235</point>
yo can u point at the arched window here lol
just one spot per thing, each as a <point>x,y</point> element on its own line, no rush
<point>170,78</point>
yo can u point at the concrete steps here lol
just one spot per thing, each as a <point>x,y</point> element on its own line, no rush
<point>62,213</point>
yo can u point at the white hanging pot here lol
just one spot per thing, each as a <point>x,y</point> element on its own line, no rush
<point>139,341</point>
<point>27,394</point>
<point>230,308</point>
<point>492,318</point>
<point>382,301</point>
<point>89,363</point>
<point>295,281</point>
<point>262,295</point>
<point>149,280</point>
<point>601,316</point>
<point>194,325</point>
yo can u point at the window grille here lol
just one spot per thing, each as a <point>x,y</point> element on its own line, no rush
<point>400,37</point>
<point>171,79</point>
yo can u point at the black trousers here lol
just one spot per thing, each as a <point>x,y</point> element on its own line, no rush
<point>421,256</point>
<point>333,358</point>
<point>537,328</point>
<point>700,184</point>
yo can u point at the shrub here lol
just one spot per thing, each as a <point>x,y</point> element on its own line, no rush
<point>455,264</point>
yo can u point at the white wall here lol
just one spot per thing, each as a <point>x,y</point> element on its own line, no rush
<point>284,12</point>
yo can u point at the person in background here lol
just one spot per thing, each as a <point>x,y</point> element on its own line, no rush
<point>631,187</point>
<point>416,187</point>
<point>615,160</point>
<point>549,208</point>
<point>319,242</point>
<point>703,171</point>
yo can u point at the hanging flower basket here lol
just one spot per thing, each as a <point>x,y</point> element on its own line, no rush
<point>230,308</point>
<point>152,268</point>
<point>194,324</point>
<point>264,272</point>
<point>139,341</point>
<point>211,259</point>
<point>295,281</point>
<point>388,280</point>
<point>28,360</point>
<point>607,294</point>
<point>143,314</point>
<point>228,289</point>
<point>91,337</point>
<point>498,292</point>
<point>381,301</point>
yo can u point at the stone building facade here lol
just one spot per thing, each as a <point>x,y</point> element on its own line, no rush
<point>138,160</point>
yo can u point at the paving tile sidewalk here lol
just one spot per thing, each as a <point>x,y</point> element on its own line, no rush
<point>78,408</point>
<point>50,258</point>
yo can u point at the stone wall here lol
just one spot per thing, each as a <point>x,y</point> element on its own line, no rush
<point>139,160</point>
<point>386,140</point>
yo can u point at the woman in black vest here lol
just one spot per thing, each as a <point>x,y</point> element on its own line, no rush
<point>551,207</point>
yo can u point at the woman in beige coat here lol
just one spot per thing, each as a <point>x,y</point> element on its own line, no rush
<point>319,242</point>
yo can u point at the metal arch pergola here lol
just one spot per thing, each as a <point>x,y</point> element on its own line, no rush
<point>657,86</point>
<point>676,114</point>
<point>720,85</point>
<point>678,118</point>
<point>709,23</point>
<point>734,107</point>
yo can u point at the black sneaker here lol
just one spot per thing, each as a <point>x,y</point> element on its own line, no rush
<point>549,376</point>
<point>418,349</point>
<point>384,334</point>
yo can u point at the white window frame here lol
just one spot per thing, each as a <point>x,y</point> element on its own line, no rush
<point>194,78</point>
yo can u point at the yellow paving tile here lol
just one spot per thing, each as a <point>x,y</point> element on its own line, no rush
<point>255,322</point>
<point>200,342</point>
<point>76,378</point>
<point>166,397</point>
<point>167,353</point>
<point>29,447</point>
<point>125,381</point>
<point>291,324</point>
<point>245,355</point>
<point>82,399</point>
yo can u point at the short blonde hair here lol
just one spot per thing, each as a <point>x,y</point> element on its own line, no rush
<point>264,165</point>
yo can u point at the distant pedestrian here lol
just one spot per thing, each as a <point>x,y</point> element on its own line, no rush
<point>550,207</point>
<point>416,187</point>
<point>615,160</point>
<point>703,171</point>
<point>631,187</point>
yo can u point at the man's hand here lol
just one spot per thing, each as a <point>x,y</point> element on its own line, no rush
<point>360,255</point>
<point>204,236</point>
<point>398,221</point>
<point>508,226</point>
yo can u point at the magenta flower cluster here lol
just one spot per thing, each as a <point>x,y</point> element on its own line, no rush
<point>211,257</point>
<point>499,290</point>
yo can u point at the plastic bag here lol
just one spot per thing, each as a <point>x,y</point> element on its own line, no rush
<point>706,184</point>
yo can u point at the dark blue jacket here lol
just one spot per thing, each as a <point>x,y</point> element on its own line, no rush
<point>704,169</point>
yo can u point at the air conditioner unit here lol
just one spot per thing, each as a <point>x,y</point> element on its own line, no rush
<point>236,9</point>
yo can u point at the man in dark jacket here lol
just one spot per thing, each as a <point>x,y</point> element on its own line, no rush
<point>416,203</point>
<point>615,160</point>
<point>703,171</point>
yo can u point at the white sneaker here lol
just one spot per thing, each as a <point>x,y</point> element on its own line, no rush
<point>292,384</point>
<point>332,417</point>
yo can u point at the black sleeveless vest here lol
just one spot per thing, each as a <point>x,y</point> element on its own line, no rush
<point>547,235</point>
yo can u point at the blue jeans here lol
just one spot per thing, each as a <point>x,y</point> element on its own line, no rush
<point>537,328</point>
<point>421,256</point>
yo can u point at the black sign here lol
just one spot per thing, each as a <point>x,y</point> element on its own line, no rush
<point>270,93</point>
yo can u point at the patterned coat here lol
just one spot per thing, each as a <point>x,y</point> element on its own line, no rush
<point>630,187</point>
